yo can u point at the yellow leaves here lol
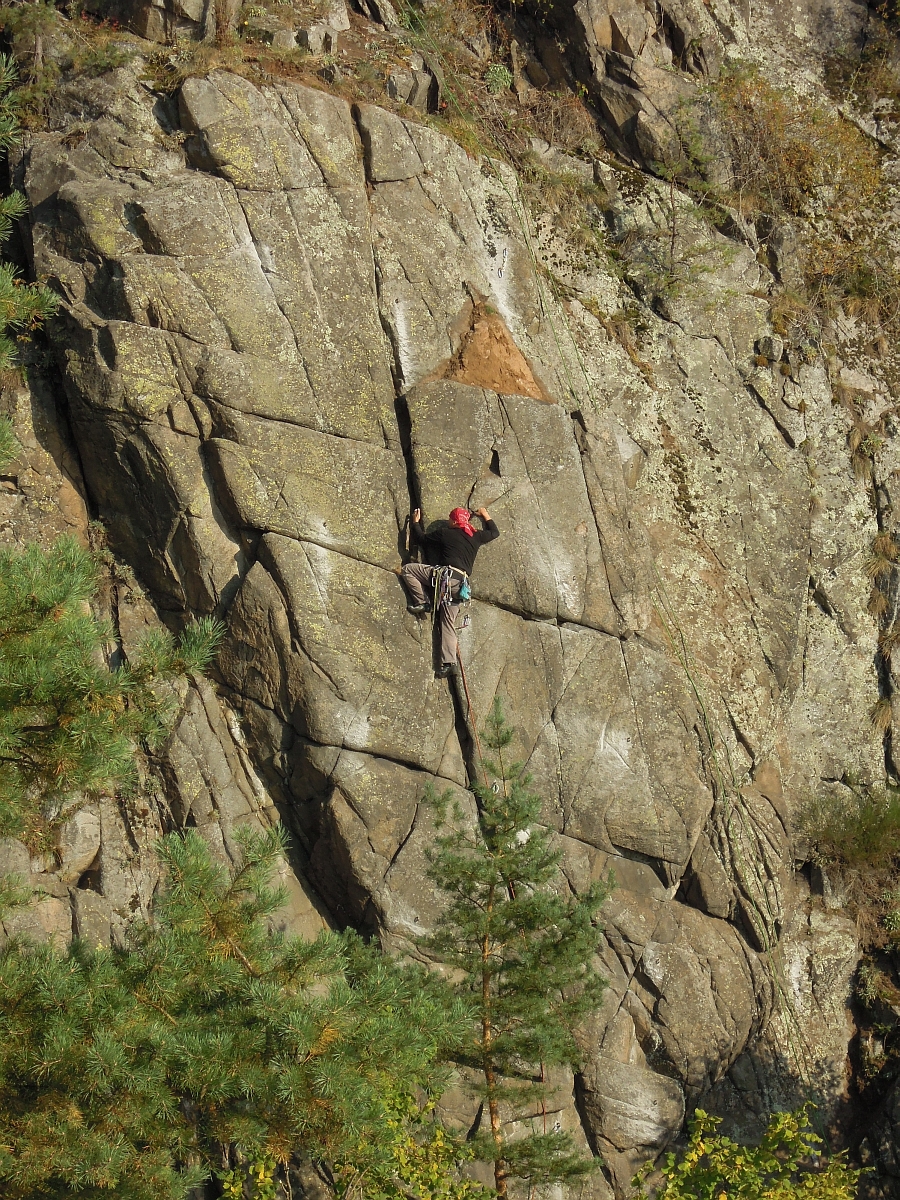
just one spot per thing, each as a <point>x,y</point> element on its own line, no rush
<point>326,1038</point>
<point>715,1166</point>
<point>259,1173</point>
<point>420,1159</point>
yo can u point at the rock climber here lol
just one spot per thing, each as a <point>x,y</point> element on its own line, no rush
<point>452,549</point>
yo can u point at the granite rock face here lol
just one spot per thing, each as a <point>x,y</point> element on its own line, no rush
<point>287,321</point>
<point>101,872</point>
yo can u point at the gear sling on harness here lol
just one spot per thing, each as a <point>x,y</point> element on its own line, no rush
<point>440,582</point>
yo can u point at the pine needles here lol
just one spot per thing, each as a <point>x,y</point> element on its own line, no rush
<point>68,725</point>
<point>207,1040</point>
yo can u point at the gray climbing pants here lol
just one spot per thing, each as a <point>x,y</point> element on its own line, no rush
<point>418,580</point>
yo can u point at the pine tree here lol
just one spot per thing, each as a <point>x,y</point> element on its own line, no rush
<point>523,947</point>
<point>67,723</point>
<point>23,306</point>
<point>209,1041</point>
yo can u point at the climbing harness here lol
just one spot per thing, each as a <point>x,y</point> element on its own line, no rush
<point>442,594</point>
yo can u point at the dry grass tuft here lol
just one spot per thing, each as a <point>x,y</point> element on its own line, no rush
<point>878,603</point>
<point>889,640</point>
<point>878,567</point>
<point>881,715</point>
<point>801,166</point>
<point>883,543</point>
<point>861,466</point>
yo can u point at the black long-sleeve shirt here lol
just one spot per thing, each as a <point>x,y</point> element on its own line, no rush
<point>450,547</point>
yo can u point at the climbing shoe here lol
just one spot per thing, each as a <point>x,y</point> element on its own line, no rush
<point>417,610</point>
<point>445,670</point>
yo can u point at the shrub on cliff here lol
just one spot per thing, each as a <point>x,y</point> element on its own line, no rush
<point>788,1164</point>
<point>209,1042</point>
<point>858,827</point>
<point>23,306</point>
<point>523,948</point>
<point>790,154</point>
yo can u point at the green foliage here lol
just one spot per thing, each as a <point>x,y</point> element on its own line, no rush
<point>891,900</point>
<point>99,59</point>
<point>714,1167</point>
<point>31,26</point>
<point>498,78</point>
<point>67,723</point>
<point>859,828</point>
<point>207,1042</point>
<point>14,893</point>
<point>27,25</point>
<point>9,447</point>
<point>260,1175</point>
<point>23,307</point>
<point>522,947</point>
<point>667,259</point>
<point>36,19</point>
<point>416,1156</point>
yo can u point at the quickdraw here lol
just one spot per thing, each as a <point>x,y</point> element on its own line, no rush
<point>441,581</point>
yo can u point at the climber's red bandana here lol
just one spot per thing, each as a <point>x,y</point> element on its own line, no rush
<point>460,518</point>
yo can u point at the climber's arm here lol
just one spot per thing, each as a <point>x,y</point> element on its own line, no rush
<point>490,530</point>
<point>416,528</point>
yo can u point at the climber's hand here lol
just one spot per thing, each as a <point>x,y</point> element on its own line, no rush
<point>417,516</point>
<point>484,514</point>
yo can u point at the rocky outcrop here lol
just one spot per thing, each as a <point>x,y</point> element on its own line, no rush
<point>644,62</point>
<point>101,870</point>
<point>287,321</point>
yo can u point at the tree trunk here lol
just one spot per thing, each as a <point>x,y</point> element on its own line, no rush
<point>487,1061</point>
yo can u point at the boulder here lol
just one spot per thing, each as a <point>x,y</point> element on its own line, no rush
<point>15,859</point>
<point>319,38</point>
<point>634,1109</point>
<point>92,918</point>
<point>389,149</point>
<point>47,919</point>
<point>77,843</point>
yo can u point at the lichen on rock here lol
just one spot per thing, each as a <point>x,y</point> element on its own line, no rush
<point>300,319</point>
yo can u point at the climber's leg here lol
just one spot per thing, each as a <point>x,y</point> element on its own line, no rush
<point>416,578</point>
<point>447,622</point>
